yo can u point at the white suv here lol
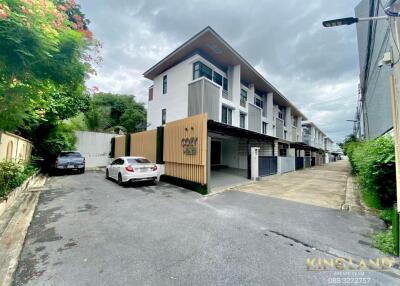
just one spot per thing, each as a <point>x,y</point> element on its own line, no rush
<point>130,169</point>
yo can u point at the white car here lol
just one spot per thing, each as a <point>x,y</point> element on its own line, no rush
<point>131,169</point>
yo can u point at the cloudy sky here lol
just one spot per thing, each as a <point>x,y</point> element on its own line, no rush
<point>314,67</point>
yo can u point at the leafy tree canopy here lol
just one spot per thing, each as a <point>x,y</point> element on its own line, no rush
<point>113,111</point>
<point>45,54</point>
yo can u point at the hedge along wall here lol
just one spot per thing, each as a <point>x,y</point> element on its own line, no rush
<point>185,149</point>
<point>144,144</point>
<point>119,147</point>
<point>14,147</point>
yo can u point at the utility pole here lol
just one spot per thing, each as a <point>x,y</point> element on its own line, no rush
<point>392,16</point>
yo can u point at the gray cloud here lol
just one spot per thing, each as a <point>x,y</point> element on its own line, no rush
<point>316,68</point>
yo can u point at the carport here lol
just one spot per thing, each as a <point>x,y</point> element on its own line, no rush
<point>229,154</point>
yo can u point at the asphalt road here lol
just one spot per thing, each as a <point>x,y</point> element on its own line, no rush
<point>89,231</point>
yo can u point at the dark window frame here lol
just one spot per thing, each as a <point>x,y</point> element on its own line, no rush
<point>165,84</point>
<point>163,116</point>
<point>228,112</point>
<point>242,116</point>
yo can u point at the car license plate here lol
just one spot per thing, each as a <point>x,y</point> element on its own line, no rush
<point>70,166</point>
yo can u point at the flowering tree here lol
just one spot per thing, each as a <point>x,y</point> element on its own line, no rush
<point>45,54</point>
<point>46,51</point>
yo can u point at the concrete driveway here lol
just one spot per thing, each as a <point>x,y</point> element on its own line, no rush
<point>323,186</point>
<point>89,231</point>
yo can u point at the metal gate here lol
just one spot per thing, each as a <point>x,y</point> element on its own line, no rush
<point>299,163</point>
<point>267,165</point>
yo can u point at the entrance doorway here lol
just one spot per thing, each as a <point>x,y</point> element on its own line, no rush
<point>215,153</point>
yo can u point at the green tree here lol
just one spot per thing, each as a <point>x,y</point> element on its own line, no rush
<point>45,54</point>
<point>113,111</point>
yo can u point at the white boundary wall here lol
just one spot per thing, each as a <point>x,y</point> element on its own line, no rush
<point>95,147</point>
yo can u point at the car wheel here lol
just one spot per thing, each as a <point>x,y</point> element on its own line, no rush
<point>120,179</point>
<point>82,170</point>
<point>107,175</point>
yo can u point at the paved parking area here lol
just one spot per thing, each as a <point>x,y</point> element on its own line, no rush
<point>322,186</point>
<point>89,231</point>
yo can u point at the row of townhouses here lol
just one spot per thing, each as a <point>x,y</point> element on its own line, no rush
<point>205,75</point>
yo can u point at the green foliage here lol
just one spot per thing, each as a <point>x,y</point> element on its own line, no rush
<point>13,174</point>
<point>59,137</point>
<point>113,111</point>
<point>45,55</point>
<point>387,215</point>
<point>374,163</point>
<point>384,240</point>
<point>78,122</point>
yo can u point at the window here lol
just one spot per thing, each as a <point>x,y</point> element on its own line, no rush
<point>137,161</point>
<point>150,94</point>
<point>259,102</point>
<point>283,152</point>
<point>163,116</point>
<point>225,84</point>
<point>226,115</point>
<point>242,120</point>
<point>281,112</point>
<point>294,121</point>
<point>264,127</point>
<point>243,95</point>
<point>285,135</point>
<point>164,84</point>
<point>200,69</point>
<point>217,78</point>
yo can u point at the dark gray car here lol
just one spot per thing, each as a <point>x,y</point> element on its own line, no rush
<point>70,160</point>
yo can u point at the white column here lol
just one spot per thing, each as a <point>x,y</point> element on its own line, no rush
<point>270,113</point>
<point>234,89</point>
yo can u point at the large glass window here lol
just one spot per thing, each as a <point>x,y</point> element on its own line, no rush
<point>259,102</point>
<point>164,84</point>
<point>225,84</point>
<point>242,120</point>
<point>264,127</point>
<point>163,116</point>
<point>217,78</point>
<point>243,95</point>
<point>200,69</point>
<point>226,115</point>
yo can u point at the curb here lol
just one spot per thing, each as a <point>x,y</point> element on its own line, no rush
<point>13,237</point>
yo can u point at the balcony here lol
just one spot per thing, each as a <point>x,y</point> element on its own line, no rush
<point>226,95</point>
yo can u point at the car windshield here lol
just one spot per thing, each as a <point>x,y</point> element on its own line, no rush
<point>137,161</point>
<point>71,154</point>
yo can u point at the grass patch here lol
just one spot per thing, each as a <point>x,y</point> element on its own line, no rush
<point>387,215</point>
<point>384,241</point>
<point>371,198</point>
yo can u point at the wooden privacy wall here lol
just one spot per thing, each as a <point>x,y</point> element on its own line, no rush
<point>119,150</point>
<point>145,144</point>
<point>185,149</point>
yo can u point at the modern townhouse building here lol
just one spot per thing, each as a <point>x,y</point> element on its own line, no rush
<point>206,79</point>
<point>316,140</point>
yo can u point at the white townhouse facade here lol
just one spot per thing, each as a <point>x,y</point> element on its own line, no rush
<point>313,136</point>
<point>206,75</point>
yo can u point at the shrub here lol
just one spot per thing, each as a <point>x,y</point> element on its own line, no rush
<point>13,174</point>
<point>374,163</point>
<point>384,240</point>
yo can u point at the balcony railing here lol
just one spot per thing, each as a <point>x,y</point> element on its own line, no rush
<point>226,95</point>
